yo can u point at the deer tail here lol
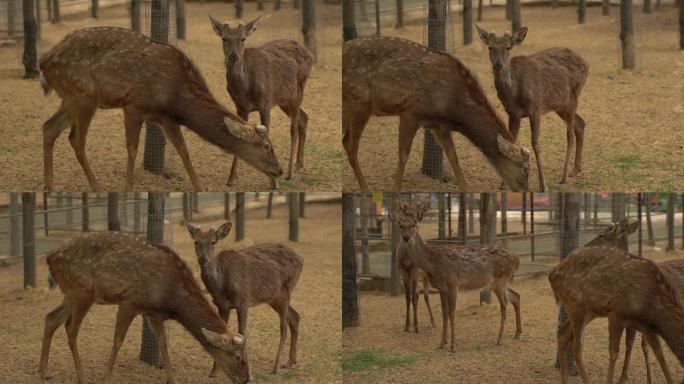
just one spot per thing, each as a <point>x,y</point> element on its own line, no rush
<point>47,89</point>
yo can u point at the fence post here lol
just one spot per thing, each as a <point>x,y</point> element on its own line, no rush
<point>14,224</point>
<point>532,226</point>
<point>28,207</point>
<point>293,208</point>
<point>149,350</point>
<point>85,213</point>
<point>113,212</point>
<point>487,235</point>
<point>269,205</point>
<point>363,218</point>
<point>670,222</point>
<point>441,230</point>
<point>350,297</point>
<point>395,284</point>
<point>239,216</point>
<point>302,203</point>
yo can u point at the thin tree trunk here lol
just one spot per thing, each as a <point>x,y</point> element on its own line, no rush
<point>28,207</point>
<point>509,10</point>
<point>400,14</point>
<point>14,224</point>
<point>85,213</point>
<point>260,5</point>
<point>56,14</point>
<point>135,15</point>
<point>348,20</point>
<point>649,222</point>
<point>487,233</point>
<point>395,284</point>
<point>468,21</point>
<point>350,296</point>
<point>554,4</point>
<point>605,5</point>
<point>462,218</point>
<point>94,9</point>
<point>441,217</point>
<point>277,4</point>
<point>516,22</point>
<point>239,216</point>
<point>293,208</point>
<point>670,222</point>
<point>471,213</point>
<point>302,203</point>
<point>137,213</point>
<point>647,6</point>
<point>30,56</point>
<point>180,19</point>
<point>239,7</point>
<point>297,4</point>
<point>627,34</point>
<point>581,11</point>
<point>269,205</point>
<point>113,212</point>
<point>149,350</point>
<point>363,218</point>
<point>479,10</point>
<point>681,23</point>
<point>309,26</point>
<point>504,218</point>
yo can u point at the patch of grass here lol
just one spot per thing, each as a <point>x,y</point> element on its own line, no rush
<point>626,161</point>
<point>629,164</point>
<point>4,149</point>
<point>368,359</point>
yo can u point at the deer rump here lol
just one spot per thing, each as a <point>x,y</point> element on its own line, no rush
<point>475,271</point>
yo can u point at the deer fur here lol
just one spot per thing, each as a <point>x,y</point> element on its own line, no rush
<point>450,268</point>
<point>387,76</point>
<point>107,67</point>
<point>141,278</point>
<point>264,273</point>
<point>533,85</point>
<point>410,276</point>
<point>260,78</point>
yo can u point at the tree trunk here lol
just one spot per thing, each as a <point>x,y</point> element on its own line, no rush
<point>297,4</point>
<point>479,10</point>
<point>28,207</point>
<point>11,14</point>
<point>239,7</point>
<point>269,205</point>
<point>260,5</point>
<point>293,208</point>
<point>670,222</point>
<point>554,4</point>
<point>649,222</point>
<point>504,218</point>
<point>226,206</point>
<point>149,350</point>
<point>487,233</point>
<point>239,216</point>
<point>581,11</point>
<point>441,217</point>
<point>302,203</point>
<point>94,8</point>
<point>56,14</point>
<point>400,14</point>
<point>85,213</point>
<point>14,224</point>
<point>363,218</point>
<point>309,26</point>
<point>681,24</point>
<point>113,212</point>
<point>509,10</point>
<point>471,213</point>
<point>647,6</point>
<point>467,21</point>
<point>605,5</point>
<point>137,213</point>
<point>395,283</point>
<point>30,56</point>
<point>348,20</point>
<point>516,22</point>
<point>135,15</point>
<point>350,296</point>
<point>627,34</point>
<point>462,218</point>
<point>277,4</point>
<point>180,19</point>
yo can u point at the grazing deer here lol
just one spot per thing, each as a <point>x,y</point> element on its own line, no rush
<point>141,278</point>
<point>410,275</point>
<point>387,76</point>
<point>264,273</point>
<point>530,86</point>
<point>108,67</point>
<point>450,268</point>
<point>601,280</point>
<point>273,74</point>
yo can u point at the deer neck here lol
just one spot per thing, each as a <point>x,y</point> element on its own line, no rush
<point>211,275</point>
<point>671,329</point>
<point>238,81</point>
<point>481,125</point>
<point>420,253</point>
<point>194,312</point>
<point>505,85</point>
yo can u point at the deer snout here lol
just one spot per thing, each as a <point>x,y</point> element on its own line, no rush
<point>202,260</point>
<point>406,238</point>
<point>233,57</point>
<point>498,65</point>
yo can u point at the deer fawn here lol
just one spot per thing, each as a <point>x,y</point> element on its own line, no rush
<point>141,278</point>
<point>450,268</point>
<point>386,76</point>
<point>264,273</point>
<point>639,296</point>
<point>261,78</point>
<point>110,67</point>
<point>410,275</point>
<point>530,86</point>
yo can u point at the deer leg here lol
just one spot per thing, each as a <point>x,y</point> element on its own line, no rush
<point>414,301</point>
<point>570,135</point>
<point>514,126</point>
<point>79,308</point>
<point>452,312</point>
<point>293,322</point>
<point>159,331</point>
<point>503,304</point>
<point>407,297</point>
<point>652,340</point>
<point>224,313</point>
<point>578,323</point>
<point>82,116</point>
<point>265,117</point>
<point>232,178</point>
<point>52,128</point>
<point>443,138</point>
<point>514,298</point>
<point>354,120</point>
<point>426,296</point>
<point>282,310</point>
<point>303,124</point>
<point>579,137</point>
<point>535,126</point>
<point>124,317</point>
<point>407,131</point>
<point>564,336</point>
<point>629,342</point>
<point>615,329</point>
<point>53,320</point>
<point>644,347</point>
<point>443,303</point>
<point>174,134</point>
<point>133,123</point>
<point>242,318</point>
<point>294,137</point>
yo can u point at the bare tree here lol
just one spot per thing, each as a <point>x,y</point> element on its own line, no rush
<point>670,222</point>
<point>627,34</point>
<point>180,19</point>
<point>516,22</point>
<point>56,16</point>
<point>30,56</point>
<point>14,224</point>
<point>293,208</point>
<point>487,232</point>
<point>113,223</point>
<point>239,216</point>
<point>400,14</point>
<point>479,10</point>
<point>309,26</point>
<point>94,8</point>
<point>348,20</point>
<point>468,21</point>
<point>28,207</point>
<point>85,213</point>
<point>647,6</point>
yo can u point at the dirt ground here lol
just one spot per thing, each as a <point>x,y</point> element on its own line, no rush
<point>477,358</point>
<point>21,325</point>
<point>25,109</point>
<point>632,136</point>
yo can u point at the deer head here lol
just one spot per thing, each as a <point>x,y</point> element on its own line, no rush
<point>615,235</point>
<point>500,47</point>
<point>205,241</point>
<point>407,217</point>
<point>233,37</point>
<point>255,146</point>
<point>230,354</point>
<point>514,165</point>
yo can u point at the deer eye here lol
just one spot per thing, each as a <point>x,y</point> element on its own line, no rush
<point>508,48</point>
<point>243,39</point>
<point>224,39</point>
<point>213,242</point>
<point>491,49</point>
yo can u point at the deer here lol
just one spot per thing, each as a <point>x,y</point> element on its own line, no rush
<point>107,67</point>
<point>261,274</point>
<point>260,78</point>
<point>531,86</point>
<point>450,268</point>
<point>410,276</point>
<point>603,280</point>
<point>140,278</point>
<point>388,76</point>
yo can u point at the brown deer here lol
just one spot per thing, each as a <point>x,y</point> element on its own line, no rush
<point>264,273</point>
<point>109,67</point>
<point>530,86</point>
<point>387,76</point>
<point>410,275</point>
<point>260,78</point>
<point>141,278</point>
<point>450,268</point>
<point>601,280</point>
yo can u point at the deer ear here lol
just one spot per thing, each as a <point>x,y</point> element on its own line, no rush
<point>511,150</point>
<point>223,230</point>
<point>193,229</point>
<point>399,205</point>
<point>519,36</point>
<point>251,26</point>
<point>236,129</point>
<point>421,210</point>
<point>484,35</point>
<point>215,339</point>
<point>632,227</point>
<point>217,26</point>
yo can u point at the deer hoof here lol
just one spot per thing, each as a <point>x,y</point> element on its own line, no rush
<point>231,182</point>
<point>299,166</point>
<point>212,375</point>
<point>452,350</point>
<point>289,365</point>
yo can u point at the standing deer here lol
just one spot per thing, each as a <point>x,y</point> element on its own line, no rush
<point>264,273</point>
<point>450,268</point>
<point>601,280</point>
<point>141,278</point>
<point>530,86</point>
<point>410,275</point>
<point>108,67</point>
<point>387,76</point>
<point>258,79</point>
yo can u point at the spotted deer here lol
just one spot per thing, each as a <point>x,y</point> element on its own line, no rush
<point>603,280</point>
<point>260,78</point>
<point>450,268</point>
<point>261,274</point>
<point>108,67</point>
<point>533,85</point>
<point>410,276</point>
<point>141,278</point>
<point>387,76</point>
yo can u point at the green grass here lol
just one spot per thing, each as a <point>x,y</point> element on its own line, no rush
<point>629,165</point>
<point>367,359</point>
<point>626,161</point>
